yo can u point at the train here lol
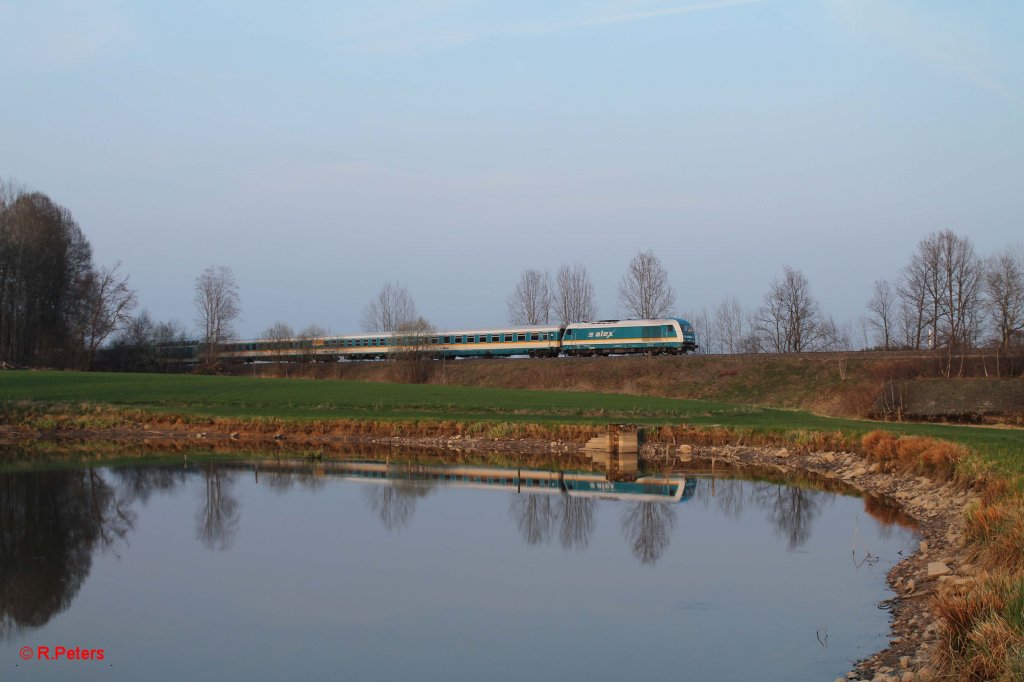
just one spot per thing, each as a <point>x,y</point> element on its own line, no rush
<point>580,339</point>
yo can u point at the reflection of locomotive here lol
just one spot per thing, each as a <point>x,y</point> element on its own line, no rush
<point>658,336</point>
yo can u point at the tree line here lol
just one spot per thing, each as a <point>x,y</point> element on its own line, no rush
<point>58,308</point>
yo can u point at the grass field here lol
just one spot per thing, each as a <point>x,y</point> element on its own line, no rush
<point>297,399</point>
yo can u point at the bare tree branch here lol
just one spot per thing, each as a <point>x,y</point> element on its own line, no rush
<point>644,292</point>
<point>109,302</point>
<point>1004,289</point>
<point>530,303</point>
<point>574,295</point>
<point>219,306</point>
<point>789,320</point>
<point>882,309</point>
<point>390,309</point>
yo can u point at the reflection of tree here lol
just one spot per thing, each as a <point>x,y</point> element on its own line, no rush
<point>533,515</point>
<point>729,497</point>
<point>648,529</point>
<point>283,480</point>
<point>395,501</point>
<point>50,523</point>
<point>790,509</point>
<point>537,516</point>
<point>278,481</point>
<point>138,483</point>
<point>576,521</point>
<point>217,520</point>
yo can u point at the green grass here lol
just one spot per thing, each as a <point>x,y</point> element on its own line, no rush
<point>297,399</point>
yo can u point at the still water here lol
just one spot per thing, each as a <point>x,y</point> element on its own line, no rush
<point>229,571</point>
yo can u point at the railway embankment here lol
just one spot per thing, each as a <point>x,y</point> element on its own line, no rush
<point>977,388</point>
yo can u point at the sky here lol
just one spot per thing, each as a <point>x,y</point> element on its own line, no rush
<point>321,149</point>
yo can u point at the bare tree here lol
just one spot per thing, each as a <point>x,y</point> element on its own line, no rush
<point>411,347</point>
<point>789,320</point>
<point>391,308</point>
<point>882,309</point>
<point>278,334</point>
<point>108,305</point>
<point>915,317</point>
<point>704,328</point>
<point>574,295</point>
<point>1004,290</point>
<point>728,323</point>
<point>960,276</point>
<point>307,341</point>
<point>219,306</point>
<point>530,303</point>
<point>834,337</point>
<point>644,292</point>
<point>940,290</point>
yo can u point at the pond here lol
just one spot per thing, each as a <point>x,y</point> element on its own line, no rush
<point>263,570</point>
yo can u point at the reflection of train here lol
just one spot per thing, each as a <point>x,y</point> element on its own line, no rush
<point>656,336</point>
<point>574,483</point>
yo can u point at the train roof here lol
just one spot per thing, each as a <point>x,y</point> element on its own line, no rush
<point>624,323</point>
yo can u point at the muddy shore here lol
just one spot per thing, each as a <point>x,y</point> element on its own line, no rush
<point>941,563</point>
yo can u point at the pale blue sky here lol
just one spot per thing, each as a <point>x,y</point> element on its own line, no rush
<point>321,148</point>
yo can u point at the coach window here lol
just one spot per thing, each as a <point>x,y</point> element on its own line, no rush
<point>520,337</point>
<point>534,336</point>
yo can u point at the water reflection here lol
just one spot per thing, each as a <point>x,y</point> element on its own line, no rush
<point>137,484</point>
<point>647,527</point>
<point>393,500</point>
<point>576,516</point>
<point>534,516</point>
<point>218,515</point>
<point>792,504</point>
<point>50,525</point>
<point>538,515</point>
<point>791,509</point>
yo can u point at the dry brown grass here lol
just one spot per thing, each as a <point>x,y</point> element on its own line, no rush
<point>917,455</point>
<point>981,637</point>
<point>998,533</point>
